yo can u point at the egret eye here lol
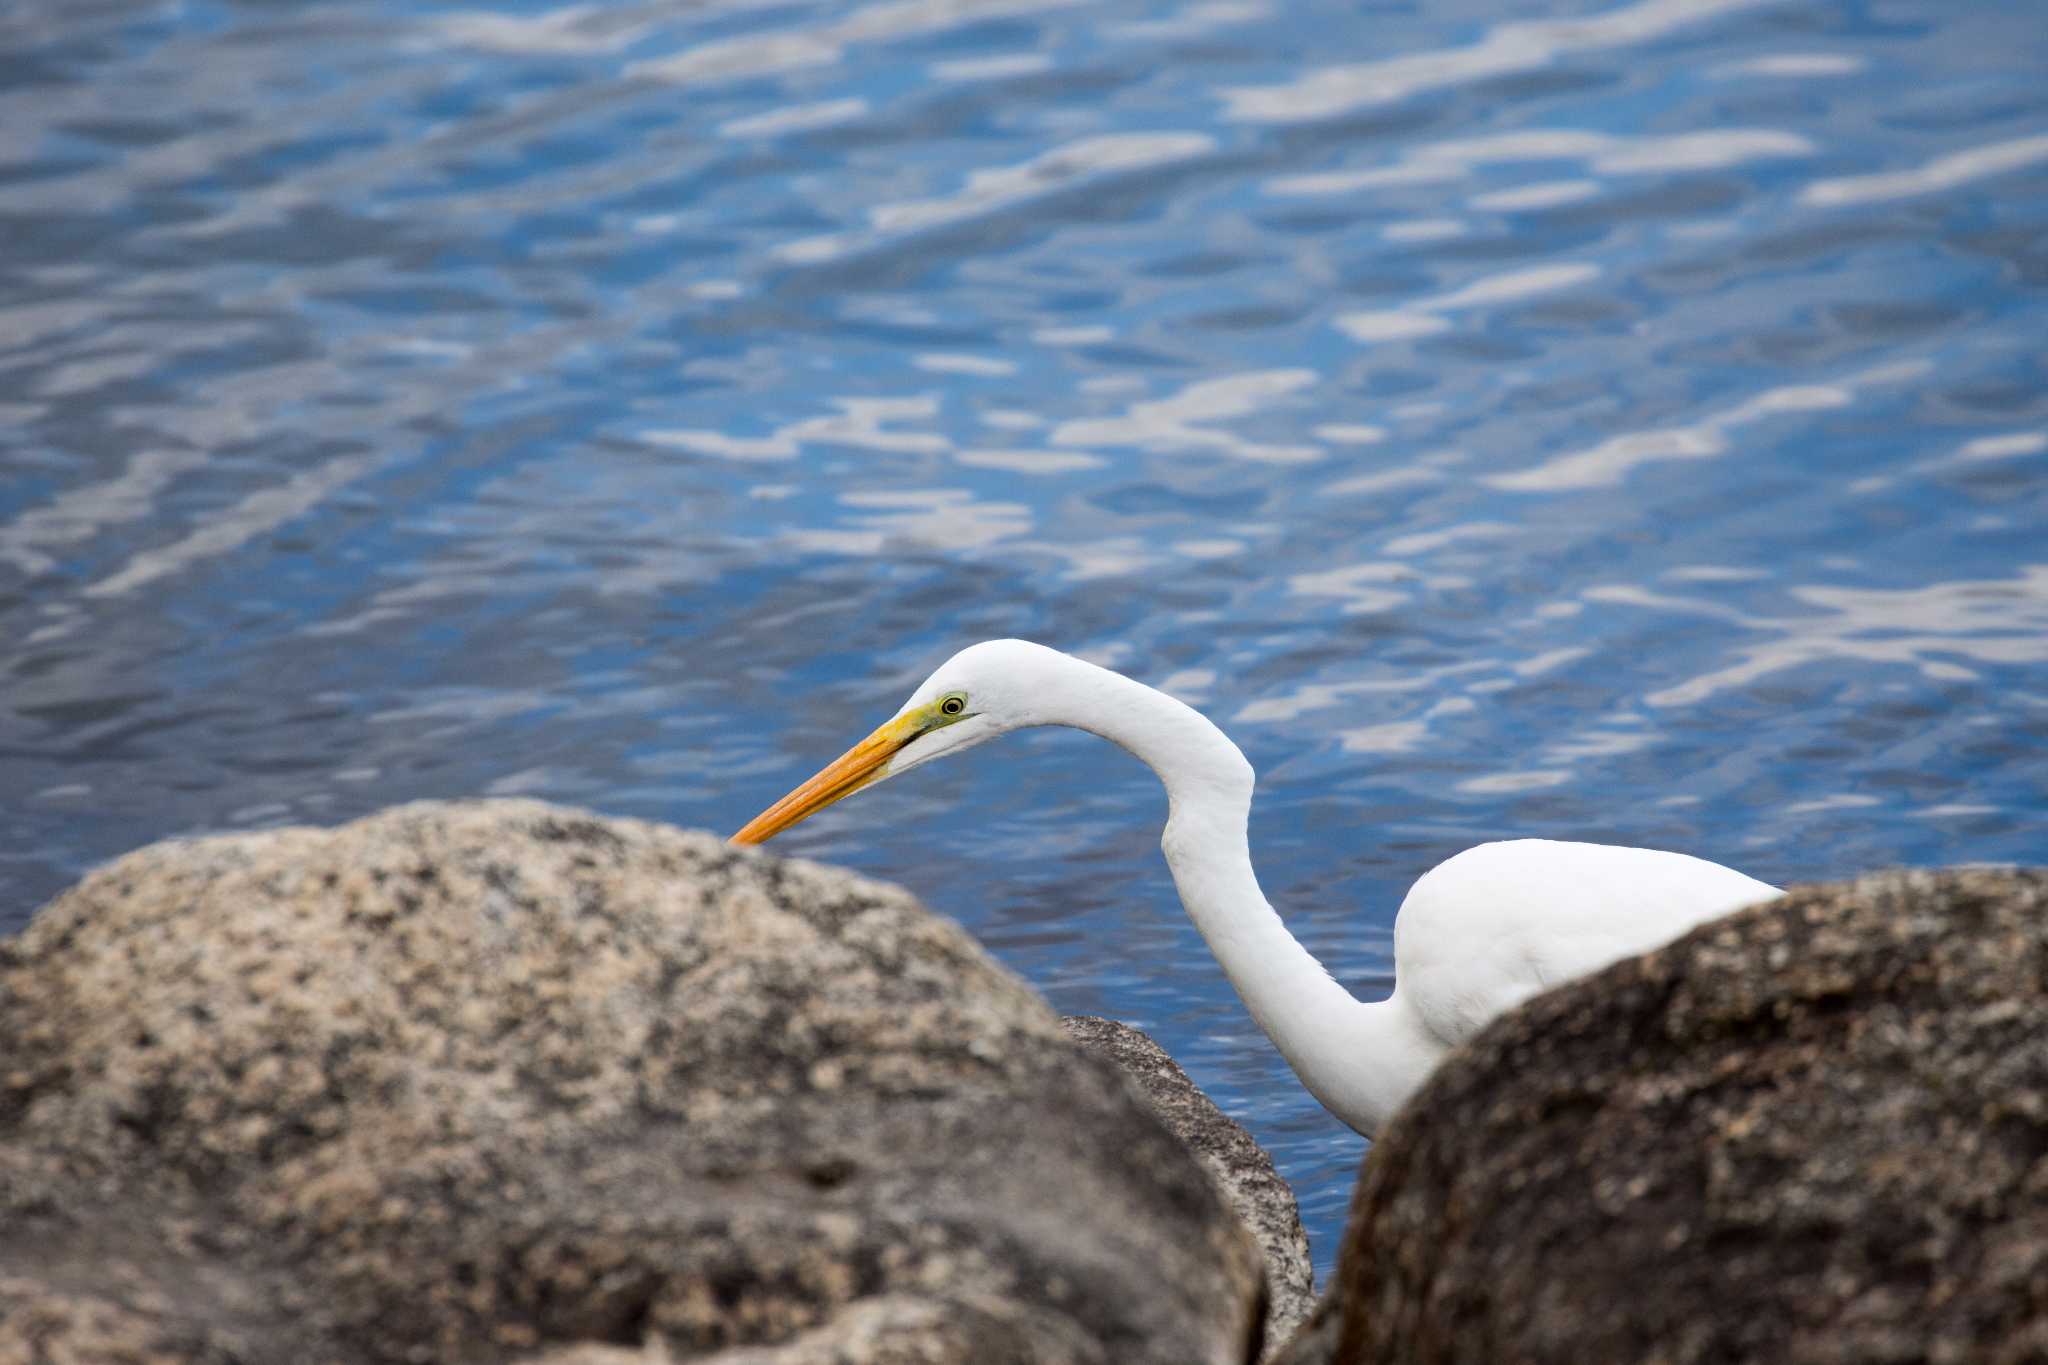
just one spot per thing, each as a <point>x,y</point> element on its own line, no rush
<point>953,705</point>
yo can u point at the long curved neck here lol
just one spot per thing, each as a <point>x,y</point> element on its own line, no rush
<point>1356,1058</point>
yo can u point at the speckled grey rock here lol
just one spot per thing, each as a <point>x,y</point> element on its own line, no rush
<point>1242,1168</point>
<point>1816,1131</point>
<point>500,1080</point>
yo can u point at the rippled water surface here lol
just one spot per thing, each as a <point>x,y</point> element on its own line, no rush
<point>1532,417</point>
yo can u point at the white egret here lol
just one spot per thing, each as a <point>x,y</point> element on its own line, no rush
<point>1475,935</point>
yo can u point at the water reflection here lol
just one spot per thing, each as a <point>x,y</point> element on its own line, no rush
<point>1942,173</point>
<point>1460,159</point>
<point>1799,66</point>
<point>1187,419</point>
<point>922,519</point>
<point>1994,621</point>
<point>1506,49</point>
<point>1615,458</point>
<point>864,423</point>
<point>1424,317</point>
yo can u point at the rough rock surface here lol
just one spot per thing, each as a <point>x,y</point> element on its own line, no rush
<point>1241,1167</point>
<point>1815,1131</point>
<point>501,1080</point>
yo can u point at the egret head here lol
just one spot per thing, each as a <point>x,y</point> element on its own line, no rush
<point>983,691</point>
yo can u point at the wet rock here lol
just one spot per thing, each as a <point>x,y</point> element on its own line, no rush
<point>1242,1168</point>
<point>1815,1131</point>
<point>494,1080</point>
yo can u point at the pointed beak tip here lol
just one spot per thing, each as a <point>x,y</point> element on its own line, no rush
<point>848,773</point>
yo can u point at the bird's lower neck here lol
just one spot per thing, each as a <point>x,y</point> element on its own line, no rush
<point>1354,1057</point>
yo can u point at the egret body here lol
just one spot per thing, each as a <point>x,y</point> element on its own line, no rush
<point>1476,934</point>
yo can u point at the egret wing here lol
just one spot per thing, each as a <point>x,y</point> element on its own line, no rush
<point>1484,930</point>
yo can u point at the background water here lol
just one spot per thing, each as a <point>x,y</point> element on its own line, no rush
<point>1526,417</point>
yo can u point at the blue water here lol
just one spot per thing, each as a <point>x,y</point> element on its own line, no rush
<point>1620,422</point>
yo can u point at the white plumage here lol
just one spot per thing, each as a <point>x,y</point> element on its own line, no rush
<point>1485,929</point>
<point>1476,934</point>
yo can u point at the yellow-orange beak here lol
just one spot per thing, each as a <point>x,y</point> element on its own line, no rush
<point>844,775</point>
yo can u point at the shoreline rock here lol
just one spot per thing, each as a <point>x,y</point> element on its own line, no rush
<point>474,1081</point>
<point>1815,1131</point>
